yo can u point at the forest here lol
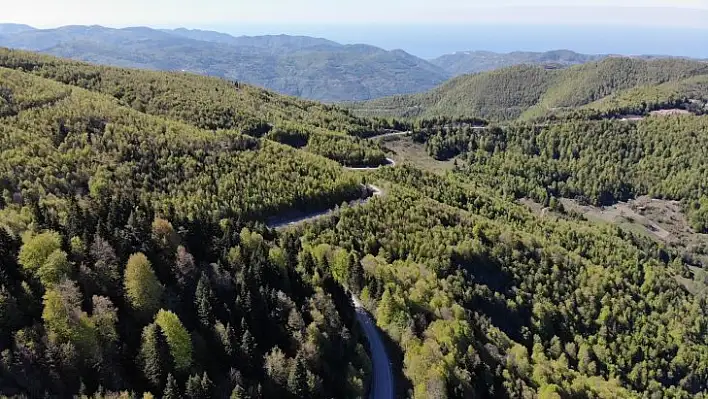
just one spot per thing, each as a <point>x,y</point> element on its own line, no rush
<point>135,260</point>
<point>597,162</point>
<point>529,92</point>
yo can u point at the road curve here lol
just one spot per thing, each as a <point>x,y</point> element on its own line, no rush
<point>382,376</point>
<point>283,223</point>
<point>390,162</point>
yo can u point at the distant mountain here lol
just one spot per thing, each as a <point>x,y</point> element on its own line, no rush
<point>12,29</point>
<point>528,91</point>
<point>272,42</point>
<point>303,66</point>
<point>465,62</point>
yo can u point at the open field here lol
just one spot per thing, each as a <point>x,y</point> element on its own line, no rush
<point>406,150</point>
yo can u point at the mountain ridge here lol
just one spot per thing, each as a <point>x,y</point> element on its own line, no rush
<point>531,91</point>
<point>296,65</point>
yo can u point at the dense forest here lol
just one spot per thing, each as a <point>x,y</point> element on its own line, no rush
<point>212,104</point>
<point>598,162</point>
<point>134,258</point>
<point>529,92</point>
<point>486,299</point>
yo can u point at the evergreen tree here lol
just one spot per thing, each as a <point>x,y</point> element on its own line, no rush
<point>356,274</point>
<point>193,389</point>
<point>297,380</point>
<point>238,392</point>
<point>155,356</point>
<point>199,388</point>
<point>171,388</point>
<point>203,299</point>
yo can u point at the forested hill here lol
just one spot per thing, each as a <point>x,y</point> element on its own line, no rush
<point>134,260</point>
<point>465,62</point>
<point>211,103</point>
<point>533,91</point>
<point>302,66</point>
<point>124,261</point>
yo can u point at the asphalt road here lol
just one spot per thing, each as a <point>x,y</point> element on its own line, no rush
<point>382,376</point>
<point>283,223</point>
<point>383,136</point>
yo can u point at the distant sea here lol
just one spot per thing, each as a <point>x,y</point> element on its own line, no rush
<point>430,41</point>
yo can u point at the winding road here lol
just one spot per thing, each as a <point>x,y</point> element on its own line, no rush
<point>382,381</point>
<point>390,162</point>
<point>294,221</point>
<point>382,375</point>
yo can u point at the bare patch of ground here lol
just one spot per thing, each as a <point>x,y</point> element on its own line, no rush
<point>661,219</point>
<point>666,112</point>
<point>407,150</point>
<point>658,218</point>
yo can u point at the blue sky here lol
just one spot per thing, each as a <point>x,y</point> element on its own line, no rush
<point>204,13</point>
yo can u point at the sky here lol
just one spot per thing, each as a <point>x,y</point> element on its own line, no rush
<point>201,13</point>
<point>425,28</point>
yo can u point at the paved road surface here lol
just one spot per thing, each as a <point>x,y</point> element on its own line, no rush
<point>382,378</point>
<point>383,136</point>
<point>376,191</point>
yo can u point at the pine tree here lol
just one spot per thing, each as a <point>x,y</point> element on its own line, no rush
<point>178,339</point>
<point>356,274</point>
<point>207,385</point>
<point>238,392</point>
<point>297,381</point>
<point>203,299</point>
<point>155,356</point>
<point>171,388</point>
<point>199,388</point>
<point>248,343</point>
<point>193,389</point>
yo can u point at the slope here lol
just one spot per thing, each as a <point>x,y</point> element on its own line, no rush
<point>532,91</point>
<point>125,257</point>
<point>466,62</point>
<point>307,67</point>
<point>210,103</point>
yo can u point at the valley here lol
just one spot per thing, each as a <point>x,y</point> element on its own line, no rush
<point>525,232</point>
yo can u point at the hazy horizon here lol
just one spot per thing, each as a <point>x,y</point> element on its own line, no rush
<point>433,40</point>
<point>430,41</point>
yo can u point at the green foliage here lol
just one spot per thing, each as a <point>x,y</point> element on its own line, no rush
<point>66,322</point>
<point>599,162</point>
<point>460,285</point>
<point>172,390</point>
<point>142,288</point>
<point>144,201</point>
<point>480,61</point>
<point>531,91</point>
<point>54,269</point>
<point>37,249</point>
<point>178,338</point>
<point>155,358</point>
<point>699,215</point>
<point>297,380</point>
<point>346,151</point>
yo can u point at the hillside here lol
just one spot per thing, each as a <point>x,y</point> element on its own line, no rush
<point>466,62</point>
<point>135,256</point>
<point>217,104</point>
<point>306,67</point>
<point>532,91</point>
<point>133,269</point>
